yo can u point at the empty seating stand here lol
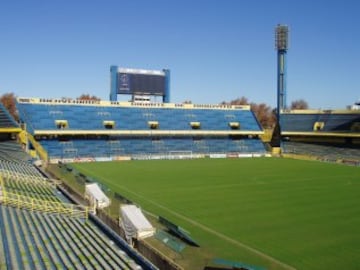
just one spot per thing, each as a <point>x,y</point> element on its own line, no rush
<point>44,239</point>
<point>44,116</point>
<point>326,152</point>
<point>33,240</point>
<point>12,151</point>
<point>320,121</point>
<point>104,129</point>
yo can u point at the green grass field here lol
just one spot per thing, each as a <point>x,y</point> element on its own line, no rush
<point>271,212</point>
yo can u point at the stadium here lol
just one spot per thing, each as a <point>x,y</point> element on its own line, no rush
<point>149,184</point>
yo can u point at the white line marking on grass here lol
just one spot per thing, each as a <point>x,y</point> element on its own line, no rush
<point>256,181</point>
<point>199,225</point>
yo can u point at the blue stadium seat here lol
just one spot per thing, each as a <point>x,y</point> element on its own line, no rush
<point>92,118</point>
<point>332,121</point>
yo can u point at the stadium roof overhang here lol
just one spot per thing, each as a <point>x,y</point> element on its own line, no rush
<point>321,134</point>
<point>147,132</point>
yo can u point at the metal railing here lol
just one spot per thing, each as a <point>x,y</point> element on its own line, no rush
<point>46,206</point>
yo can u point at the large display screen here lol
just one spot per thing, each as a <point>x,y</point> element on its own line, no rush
<point>134,83</point>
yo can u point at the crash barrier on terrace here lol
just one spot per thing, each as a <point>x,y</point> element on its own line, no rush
<point>34,240</point>
<point>32,180</point>
<point>11,151</point>
<point>32,189</point>
<point>43,205</point>
<point>25,202</point>
<point>23,168</point>
<point>38,231</point>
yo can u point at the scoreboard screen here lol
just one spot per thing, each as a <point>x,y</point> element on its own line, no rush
<point>140,83</point>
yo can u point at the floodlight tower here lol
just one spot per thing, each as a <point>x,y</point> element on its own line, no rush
<point>281,45</point>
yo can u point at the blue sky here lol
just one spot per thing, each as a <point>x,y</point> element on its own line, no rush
<point>217,50</point>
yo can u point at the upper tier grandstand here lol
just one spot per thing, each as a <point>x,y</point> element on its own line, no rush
<point>330,122</point>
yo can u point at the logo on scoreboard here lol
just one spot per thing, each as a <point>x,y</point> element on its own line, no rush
<point>124,82</point>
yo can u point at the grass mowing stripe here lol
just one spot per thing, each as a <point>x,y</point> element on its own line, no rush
<point>304,213</point>
<point>199,225</point>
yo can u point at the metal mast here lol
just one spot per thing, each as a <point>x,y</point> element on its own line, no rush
<point>281,45</point>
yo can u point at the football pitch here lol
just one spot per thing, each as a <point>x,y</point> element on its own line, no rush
<point>271,212</point>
